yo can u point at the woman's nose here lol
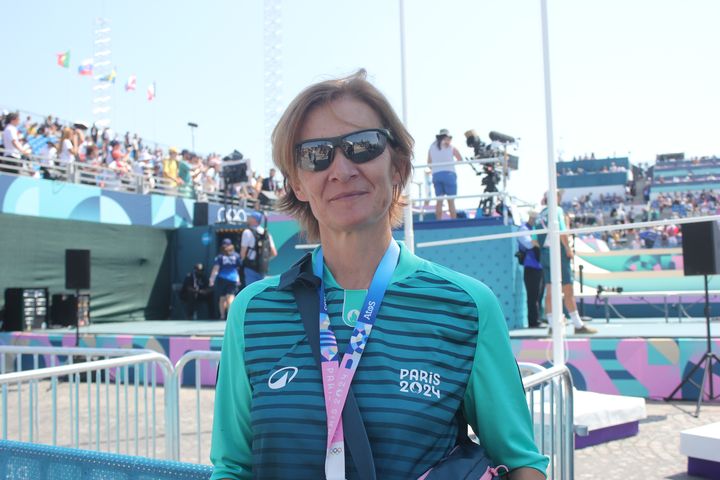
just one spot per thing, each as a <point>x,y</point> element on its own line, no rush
<point>342,168</point>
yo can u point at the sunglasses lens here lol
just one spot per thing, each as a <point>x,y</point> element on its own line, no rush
<point>314,156</point>
<point>362,147</point>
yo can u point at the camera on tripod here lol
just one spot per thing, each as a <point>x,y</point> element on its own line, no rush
<point>601,289</point>
<point>498,161</point>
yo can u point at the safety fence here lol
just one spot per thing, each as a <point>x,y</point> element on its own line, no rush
<point>107,178</point>
<point>129,401</point>
<point>549,394</point>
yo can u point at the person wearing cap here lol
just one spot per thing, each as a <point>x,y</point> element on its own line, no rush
<point>170,168</point>
<point>248,248</point>
<point>225,271</point>
<point>440,159</point>
<point>529,255</point>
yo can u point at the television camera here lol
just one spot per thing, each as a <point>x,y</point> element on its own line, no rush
<point>497,161</point>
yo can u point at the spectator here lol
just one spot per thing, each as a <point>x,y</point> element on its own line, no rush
<point>68,149</point>
<point>170,168</point>
<point>11,139</point>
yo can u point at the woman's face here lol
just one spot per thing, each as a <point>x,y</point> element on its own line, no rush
<point>346,196</point>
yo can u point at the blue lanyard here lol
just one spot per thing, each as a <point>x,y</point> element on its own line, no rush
<point>337,374</point>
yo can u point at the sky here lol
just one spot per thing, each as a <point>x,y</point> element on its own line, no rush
<point>629,77</point>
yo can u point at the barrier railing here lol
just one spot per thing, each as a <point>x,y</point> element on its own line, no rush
<point>104,177</point>
<point>115,394</point>
<point>118,390</point>
<point>213,357</point>
<point>549,394</point>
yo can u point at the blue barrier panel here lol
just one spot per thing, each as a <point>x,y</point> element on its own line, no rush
<point>28,461</point>
<point>592,179</point>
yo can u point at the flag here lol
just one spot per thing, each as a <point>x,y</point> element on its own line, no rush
<point>110,77</point>
<point>131,83</point>
<point>63,59</point>
<point>151,92</point>
<point>86,67</point>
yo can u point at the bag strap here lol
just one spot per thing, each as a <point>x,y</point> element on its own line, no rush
<point>303,282</point>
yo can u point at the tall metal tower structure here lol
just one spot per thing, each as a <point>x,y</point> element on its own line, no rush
<point>102,69</point>
<point>272,86</point>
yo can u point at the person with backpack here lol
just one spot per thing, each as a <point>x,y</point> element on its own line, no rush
<point>256,249</point>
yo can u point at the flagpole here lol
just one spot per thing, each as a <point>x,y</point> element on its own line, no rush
<point>408,215</point>
<point>553,236</point>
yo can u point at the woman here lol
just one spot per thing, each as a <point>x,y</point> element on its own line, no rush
<point>226,270</point>
<point>68,149</point>
<point>440,159</point>
<point>439,342</point>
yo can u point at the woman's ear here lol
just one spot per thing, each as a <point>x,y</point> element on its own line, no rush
<point>298,191</point>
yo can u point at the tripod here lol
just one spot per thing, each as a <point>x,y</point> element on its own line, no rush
<point>707,361</point>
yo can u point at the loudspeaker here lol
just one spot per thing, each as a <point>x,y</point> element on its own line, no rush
<point>701,248</point>
<point>25,309</point>
<point>67,309</point>
<point>200,214</point>
<point>77,269</point>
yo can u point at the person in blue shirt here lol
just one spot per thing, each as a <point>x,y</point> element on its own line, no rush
<point>533,273</point>
<point>225,276</point>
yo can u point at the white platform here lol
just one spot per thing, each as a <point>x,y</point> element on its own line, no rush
<point>701,442</point>
<point>594,411</point>
<point>599,410</point>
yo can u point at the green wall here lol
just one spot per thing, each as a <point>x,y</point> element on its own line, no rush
<point>130,265</point>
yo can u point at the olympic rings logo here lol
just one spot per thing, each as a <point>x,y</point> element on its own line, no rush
<point>231,215</point>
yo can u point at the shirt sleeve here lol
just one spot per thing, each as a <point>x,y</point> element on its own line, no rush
<point>494,403</point>
<point>231,451</point>
<point>217,261</point>
<point>247,238</point>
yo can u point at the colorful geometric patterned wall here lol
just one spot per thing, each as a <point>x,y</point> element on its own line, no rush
<point>643,367</point>
<point>68,201</point>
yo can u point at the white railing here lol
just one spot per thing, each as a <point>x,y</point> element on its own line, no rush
<point>211,357</point>
<point>549,394</point>
<point>112,392</point>
<point>116,394</point>
<point>104,177</point>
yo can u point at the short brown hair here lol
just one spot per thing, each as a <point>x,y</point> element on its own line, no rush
<point>285,137</point>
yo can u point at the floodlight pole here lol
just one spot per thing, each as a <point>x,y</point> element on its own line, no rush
<point>553,237</point>
<point>192,126</point>
<point>408,216</point>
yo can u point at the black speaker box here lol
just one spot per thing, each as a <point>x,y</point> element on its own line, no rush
<point>200,214</point>
<point>77,269</point>
<point>64,310</point>
<point>701,248</point>
<point>25,308</point>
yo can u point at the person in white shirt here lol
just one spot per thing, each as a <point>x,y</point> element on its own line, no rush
<point>11,139</point>
<point>67,147</point>
<point>440,158</point>
<point>248,248</point>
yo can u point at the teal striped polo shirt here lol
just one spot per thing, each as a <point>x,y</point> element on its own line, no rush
<point>440,342</point>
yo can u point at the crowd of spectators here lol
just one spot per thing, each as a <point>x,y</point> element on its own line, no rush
<point>120,159</point>
<point>612,168</point>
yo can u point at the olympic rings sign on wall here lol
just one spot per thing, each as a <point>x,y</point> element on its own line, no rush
<point>231,215</point>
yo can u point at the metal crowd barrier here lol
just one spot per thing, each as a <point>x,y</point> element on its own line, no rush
<point>549,394</point>
<point>103,177</point>
<point>211,357</point>
<point>113,393</point>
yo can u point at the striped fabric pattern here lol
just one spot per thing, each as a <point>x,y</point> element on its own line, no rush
<point>409,385</point>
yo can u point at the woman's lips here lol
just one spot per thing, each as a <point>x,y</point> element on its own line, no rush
<point>347,195</point>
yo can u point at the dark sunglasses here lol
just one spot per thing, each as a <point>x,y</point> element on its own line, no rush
<point>317,154</point>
